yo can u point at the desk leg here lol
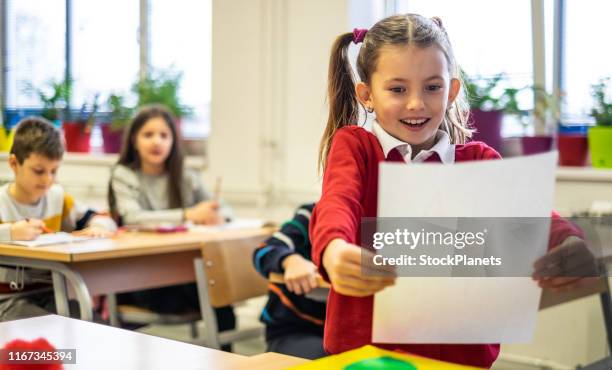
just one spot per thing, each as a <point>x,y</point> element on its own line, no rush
<point>60,272</point>
<point>606,308</point>
<point>208,312</point>
<point>111,301</point>
<point>60,294</point>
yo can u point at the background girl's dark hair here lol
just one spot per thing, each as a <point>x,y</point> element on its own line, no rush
<point>129,156</point>
<point>397,30</point>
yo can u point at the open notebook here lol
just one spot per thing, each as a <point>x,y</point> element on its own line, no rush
<point>48,239</point>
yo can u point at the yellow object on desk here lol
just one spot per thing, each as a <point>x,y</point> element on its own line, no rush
<point>372,358</point>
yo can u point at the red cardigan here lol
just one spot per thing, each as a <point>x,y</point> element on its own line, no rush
<point>350,188</point>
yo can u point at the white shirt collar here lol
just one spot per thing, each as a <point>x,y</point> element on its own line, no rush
<point>442,146</point>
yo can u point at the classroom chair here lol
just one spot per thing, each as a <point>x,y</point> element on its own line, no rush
<point>226,276</point>
<point>128,314</point>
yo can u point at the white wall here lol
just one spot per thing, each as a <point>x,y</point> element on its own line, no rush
<point>268,98</point>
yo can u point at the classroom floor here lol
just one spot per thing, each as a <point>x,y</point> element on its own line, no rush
<point>247,314</point>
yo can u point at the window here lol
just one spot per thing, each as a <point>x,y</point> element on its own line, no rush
<point>488,37</point>
<point>587,55</point>
<point>105,51</point>
<point>35,47</point>
<point>181,38</point>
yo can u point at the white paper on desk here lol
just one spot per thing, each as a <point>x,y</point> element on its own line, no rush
<point>49,239</point>
<point>237,224</point>
<point>463,310</point>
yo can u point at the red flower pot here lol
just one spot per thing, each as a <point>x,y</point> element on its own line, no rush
<point>573,150</point>
<point>536,144</point>
<point>112,139</point>
<point>77,139</point>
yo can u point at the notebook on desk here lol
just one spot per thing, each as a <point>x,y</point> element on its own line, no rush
<point>49,239</point>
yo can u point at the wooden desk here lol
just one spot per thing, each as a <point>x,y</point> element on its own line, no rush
<point>127,262</point>
<point>104,347</point>
<point>272,361</point>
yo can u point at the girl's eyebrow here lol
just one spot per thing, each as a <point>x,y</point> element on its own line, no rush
<point>434,77</point>
<point>399,79</point>
<point>396,79</point>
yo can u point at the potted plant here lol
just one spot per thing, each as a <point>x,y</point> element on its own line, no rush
<point>600,136</point>
<point>571,139</point>
<point>545,110</point>
<point>77,126</point>
<point>573,145</point>
<point>487,107</point>
<point>119,118</point>
<point>162,87</point>
<point>56,101</point>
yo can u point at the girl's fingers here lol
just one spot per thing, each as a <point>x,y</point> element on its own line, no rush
<point>364,260</point>
<point>350,290</point>
<point>566,284</point>
<point>365,273</point>
<point>559,281</point>
<point>359,283</point>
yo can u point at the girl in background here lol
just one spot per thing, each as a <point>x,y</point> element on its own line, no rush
<point>150,185</point>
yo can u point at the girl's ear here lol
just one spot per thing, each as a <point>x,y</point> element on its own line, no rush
<point>364,95</point>
<point>453,91</point>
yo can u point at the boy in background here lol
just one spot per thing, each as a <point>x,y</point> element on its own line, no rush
<point>294,322</point>
<point>33,204</point>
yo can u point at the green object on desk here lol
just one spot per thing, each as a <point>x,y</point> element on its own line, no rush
<point>381,363</point>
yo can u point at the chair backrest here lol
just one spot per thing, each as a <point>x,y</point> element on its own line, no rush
<point>230,272</point>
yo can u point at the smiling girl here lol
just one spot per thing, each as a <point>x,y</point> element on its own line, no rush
<point>411,81</point>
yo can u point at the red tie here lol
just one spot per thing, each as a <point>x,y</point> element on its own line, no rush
<point>395,156</point>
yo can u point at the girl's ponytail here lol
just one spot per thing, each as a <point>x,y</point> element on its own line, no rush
<point>343,105</point>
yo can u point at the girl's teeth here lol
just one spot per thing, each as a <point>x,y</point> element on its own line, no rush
<point>413,121</point>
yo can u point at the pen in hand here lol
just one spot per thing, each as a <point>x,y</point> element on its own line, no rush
<point>45,229</point>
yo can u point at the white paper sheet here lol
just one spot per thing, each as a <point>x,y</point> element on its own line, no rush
<point>49,239</point>
<point>463,310</point>
<point>237,224</point>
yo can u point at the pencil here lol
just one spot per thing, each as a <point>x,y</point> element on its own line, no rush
<point>45,228</point>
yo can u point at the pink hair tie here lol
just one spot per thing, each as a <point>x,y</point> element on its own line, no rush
<point>359,35</point>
